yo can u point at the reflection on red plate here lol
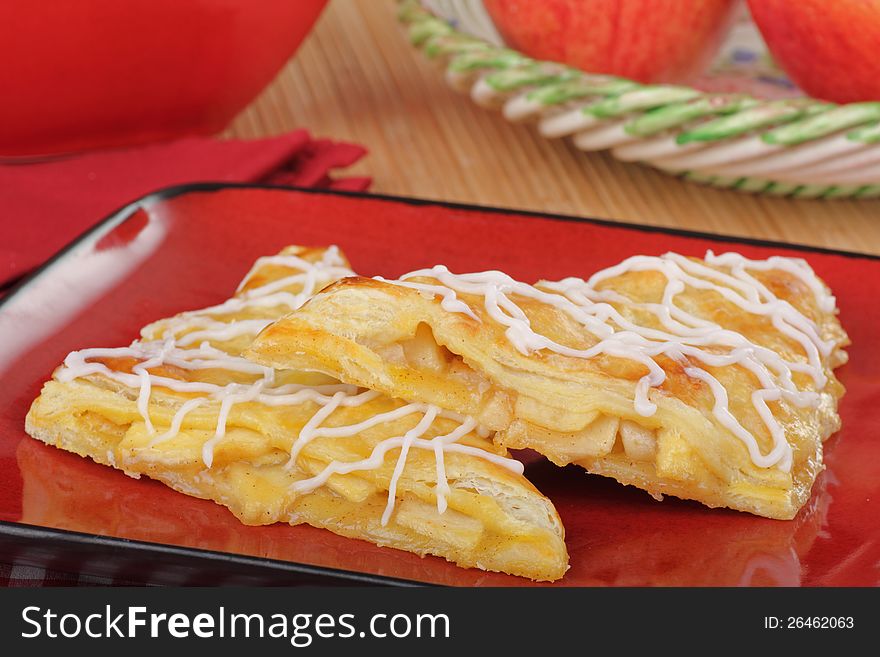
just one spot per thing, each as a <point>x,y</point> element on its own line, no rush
<point>206,238</point>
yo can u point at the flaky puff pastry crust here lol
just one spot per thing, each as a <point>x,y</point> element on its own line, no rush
<point>495,520</point>
<point>403,342</point>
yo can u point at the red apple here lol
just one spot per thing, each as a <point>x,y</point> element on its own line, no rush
<point>646,40</point>
<point>830,48</point>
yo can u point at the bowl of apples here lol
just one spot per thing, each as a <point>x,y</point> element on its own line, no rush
<point>685,86</point>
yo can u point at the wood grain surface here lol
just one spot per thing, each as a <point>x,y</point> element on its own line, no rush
<point>357,78</point>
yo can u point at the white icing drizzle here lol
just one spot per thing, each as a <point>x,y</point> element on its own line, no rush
<point>684,337</point>
<point>330,258</point>
<point>184,342</point>
<point>405,443</point>
<point>177,420</point>
<point>448,300</point>
<point>311,277</point>
<point>412,438</point>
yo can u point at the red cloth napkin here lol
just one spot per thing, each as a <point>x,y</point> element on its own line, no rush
<point>45,205</point>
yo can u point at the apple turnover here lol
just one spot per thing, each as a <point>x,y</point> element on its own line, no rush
<point>183,406</point>
<point>707,379</point>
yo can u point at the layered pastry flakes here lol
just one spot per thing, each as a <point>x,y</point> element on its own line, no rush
<point>708,379</point>
<point>183,406</point>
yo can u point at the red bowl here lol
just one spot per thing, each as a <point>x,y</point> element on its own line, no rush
<point>82,74</point>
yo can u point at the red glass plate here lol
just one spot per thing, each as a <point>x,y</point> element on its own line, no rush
<point>187,247</point>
